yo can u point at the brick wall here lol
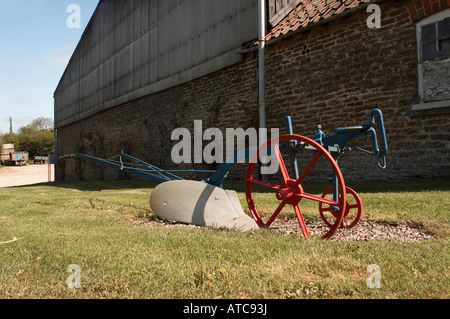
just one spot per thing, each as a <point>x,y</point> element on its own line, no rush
<point>335,74</point>
<point>422,9</point>
<point>143,127</point>
<point>332,75</point>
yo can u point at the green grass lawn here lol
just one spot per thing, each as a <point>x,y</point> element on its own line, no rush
<point>103,228</point>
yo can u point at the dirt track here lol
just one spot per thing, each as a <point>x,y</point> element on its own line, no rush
<point>26,175</point>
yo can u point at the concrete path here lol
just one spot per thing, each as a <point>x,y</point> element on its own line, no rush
<point>25,175</point>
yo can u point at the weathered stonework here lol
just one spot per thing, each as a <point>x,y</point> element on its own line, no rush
<point>332,75</point>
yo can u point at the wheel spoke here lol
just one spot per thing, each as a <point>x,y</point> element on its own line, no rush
<point>309,167</point>
<point>301,221</point>
<point>281,164</point>
<point>275,214</point>
<point>265,184</point>
<point>290,191</point>
<point>320,199</point>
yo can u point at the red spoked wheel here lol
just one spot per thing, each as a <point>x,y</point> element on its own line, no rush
<point>352,213</point>
<point>289,191</point>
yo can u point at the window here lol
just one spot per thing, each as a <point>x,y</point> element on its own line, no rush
<point>433,44</point>
<point>435,40</point>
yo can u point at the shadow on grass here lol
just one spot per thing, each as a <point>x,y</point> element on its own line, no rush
<point>361,187</point>
<point>312,187</point>
<point>96,185</point>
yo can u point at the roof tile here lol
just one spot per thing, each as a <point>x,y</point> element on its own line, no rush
<point>311,11</point>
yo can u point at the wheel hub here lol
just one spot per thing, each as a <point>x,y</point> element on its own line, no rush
<point>291,192</point>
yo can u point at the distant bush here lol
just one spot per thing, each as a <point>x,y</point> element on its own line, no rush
<point>34,141</point>
<point>36,138</point>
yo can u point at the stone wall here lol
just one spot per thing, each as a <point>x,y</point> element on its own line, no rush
<point>143,127</point>
<point>332,75</point>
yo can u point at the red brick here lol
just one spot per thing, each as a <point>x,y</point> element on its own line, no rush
<point>435,6</point>
<point>419,4</point>
<point>427,7</point>
<point>421,13</point>
<point>413,13</point>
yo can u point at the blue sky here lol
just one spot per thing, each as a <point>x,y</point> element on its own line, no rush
<point>35,47</point>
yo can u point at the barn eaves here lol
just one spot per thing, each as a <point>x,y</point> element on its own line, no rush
<point>306,15</point>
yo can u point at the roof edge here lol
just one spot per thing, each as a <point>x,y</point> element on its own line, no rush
<point>253,44</point>
<point>78,44</point>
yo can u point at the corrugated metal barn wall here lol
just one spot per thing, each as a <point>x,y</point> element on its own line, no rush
<point>132,48</point>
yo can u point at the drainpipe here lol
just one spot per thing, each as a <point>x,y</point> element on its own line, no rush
<point>261,62</point>
<point>261,67</point>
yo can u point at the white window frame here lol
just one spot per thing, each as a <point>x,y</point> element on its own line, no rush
<point>427,105</point>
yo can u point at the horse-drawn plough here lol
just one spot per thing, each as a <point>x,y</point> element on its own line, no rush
<point>207,203</point>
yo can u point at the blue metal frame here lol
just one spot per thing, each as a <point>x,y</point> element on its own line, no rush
<point>132,165</point>
<point>339,142</point>
<point>136,167</point>
<point>346,134</point>
<point>219,176</point>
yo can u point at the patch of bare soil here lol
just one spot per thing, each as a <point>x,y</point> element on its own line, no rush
<point>11,176</point>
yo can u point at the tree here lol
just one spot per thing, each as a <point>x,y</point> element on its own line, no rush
<point>42,123</point>
<point>35,141</point>
<point>36,138</point>
<point>10,138</point>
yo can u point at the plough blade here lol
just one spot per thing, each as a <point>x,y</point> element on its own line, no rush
<point>201,204</point>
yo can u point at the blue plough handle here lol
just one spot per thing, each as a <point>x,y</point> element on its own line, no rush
<point>380,153</point>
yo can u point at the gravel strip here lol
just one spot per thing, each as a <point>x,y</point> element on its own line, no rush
<point>363,231</point>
